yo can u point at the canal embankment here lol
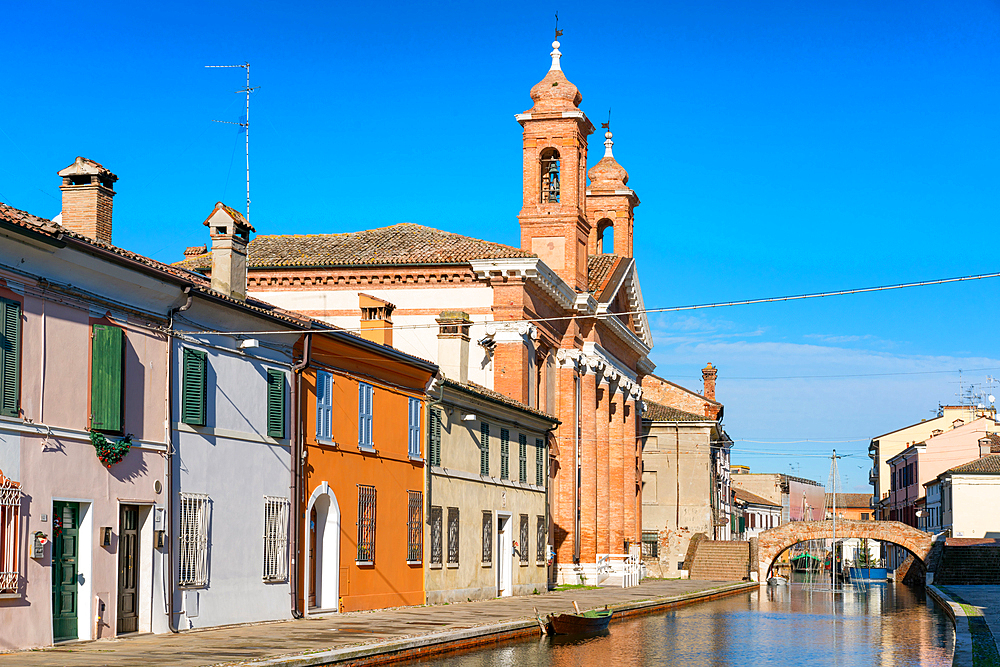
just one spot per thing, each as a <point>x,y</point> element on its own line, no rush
<point>975,611</point>
<point>376,637</point>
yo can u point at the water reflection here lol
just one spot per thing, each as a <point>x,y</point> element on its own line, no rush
<point>802,623</point>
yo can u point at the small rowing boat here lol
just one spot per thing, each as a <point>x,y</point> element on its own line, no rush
<point>590,621</point>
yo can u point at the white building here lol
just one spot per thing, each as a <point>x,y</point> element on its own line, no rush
<point>969,497</point>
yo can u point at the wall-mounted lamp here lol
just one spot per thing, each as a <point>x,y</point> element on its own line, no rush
<point>106,536</point>
<point>469,418</point>
<point>248,343</point>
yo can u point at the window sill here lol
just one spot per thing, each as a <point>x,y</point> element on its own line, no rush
<point>487,564</point>
<point>366,449</point>
<point>365,563</point>
<point>540,563</point>
<point>414,562</point>
<point>524,563</point>
<point>417,458</point>
<point>434,566</point>
<point>192,586</point>
<point>453,566</point>
<point>10,596</point>
<point>327,442</point>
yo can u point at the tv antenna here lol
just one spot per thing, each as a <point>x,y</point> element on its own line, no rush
<point>244,123</point>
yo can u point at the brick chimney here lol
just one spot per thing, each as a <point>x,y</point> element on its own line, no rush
<point>87,189</point>
<point>453,344</point>
<point>376,319</point>
<point>708,374</point>
<point>230,234</point>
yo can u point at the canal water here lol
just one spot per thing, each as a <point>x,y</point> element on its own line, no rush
<point>798,625</point>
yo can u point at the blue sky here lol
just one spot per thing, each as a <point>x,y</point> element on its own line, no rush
<point>777,148</point>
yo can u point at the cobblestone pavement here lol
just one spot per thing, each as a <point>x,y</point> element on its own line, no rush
<point>273,640</point>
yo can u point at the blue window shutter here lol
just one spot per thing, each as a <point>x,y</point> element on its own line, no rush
<point>10,357</point>
<point>365,397</point>
<point>414,427</point>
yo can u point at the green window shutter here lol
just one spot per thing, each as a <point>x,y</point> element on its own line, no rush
<point>435,429</point>
<point>275,403</point>
<point>484,449</point>
<point>10,357</point>
<point>193,387</point>
<point>106,377</point>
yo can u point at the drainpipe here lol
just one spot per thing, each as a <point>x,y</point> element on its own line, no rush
<point>295,447</point>
<point>170,454</point>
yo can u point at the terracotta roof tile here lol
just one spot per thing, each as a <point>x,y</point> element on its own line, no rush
<point>656,412</point>
<point>850,500</point>
<point>987,465</point>
<point>747,497</point>
<point>497,397</point>
<point>401,244</point>
<point>598,269</point>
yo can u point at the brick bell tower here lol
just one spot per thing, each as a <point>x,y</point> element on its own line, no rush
<point>610,205</point>
<point>554,222</point>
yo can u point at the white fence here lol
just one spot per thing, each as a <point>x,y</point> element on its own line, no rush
<point>625,569</point>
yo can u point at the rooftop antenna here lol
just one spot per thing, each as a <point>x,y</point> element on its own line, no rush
<point>244,123</point>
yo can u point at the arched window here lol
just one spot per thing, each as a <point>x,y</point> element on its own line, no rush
<point>550,176</point>
<point>605,240</point>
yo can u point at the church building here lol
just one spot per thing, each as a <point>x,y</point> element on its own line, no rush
<point>557,324</point>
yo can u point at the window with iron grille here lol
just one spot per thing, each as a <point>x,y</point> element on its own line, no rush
<point>414,429</point>
<point>434,426</point>
<point>366,524</point>
<point>540,541</point>
<point>275,538</point>
<point>365,410</point>
<point>522,548</point>
<point>539,462</point>
<point>193,540</point>
<point>484,449</point>
<point>453,536</point>
<point>324,406</point>
<point>504,454</point>
<point>487,538</point>
<point>650,544</point>
<point>10,534</point>
<point>436,536</point>
<point>522,457</point>
<point>415,528</point>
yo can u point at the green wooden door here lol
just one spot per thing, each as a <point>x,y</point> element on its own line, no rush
<point>65,557</point>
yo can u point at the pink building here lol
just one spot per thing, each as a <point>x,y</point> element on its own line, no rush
<point>921,462</point>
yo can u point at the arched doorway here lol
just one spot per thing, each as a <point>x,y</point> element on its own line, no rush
<point>322,580</point>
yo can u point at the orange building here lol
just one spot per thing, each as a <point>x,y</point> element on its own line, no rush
<point>361,476</point>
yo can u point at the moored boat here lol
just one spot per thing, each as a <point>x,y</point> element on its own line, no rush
<point>868,573</point>
<point>590,621</point>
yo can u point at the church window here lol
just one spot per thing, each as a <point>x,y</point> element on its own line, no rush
<point>550,176</point>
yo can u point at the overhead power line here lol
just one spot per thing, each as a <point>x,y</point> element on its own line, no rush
<point>667,309</point>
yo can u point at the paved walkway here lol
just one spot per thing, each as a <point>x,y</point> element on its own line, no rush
<point>319,640</point>
<point>982,604</point>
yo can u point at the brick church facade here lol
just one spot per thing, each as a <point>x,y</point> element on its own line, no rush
<point>557,324</point>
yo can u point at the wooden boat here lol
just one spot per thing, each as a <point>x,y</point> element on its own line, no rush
<point>587,622</point>
<point>868,574</point>
<point>777,580</point>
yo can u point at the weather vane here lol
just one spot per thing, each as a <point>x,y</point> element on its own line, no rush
<point>607,126</point>
<point>558,31</point>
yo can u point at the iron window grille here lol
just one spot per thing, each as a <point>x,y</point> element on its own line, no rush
<point>453,536</point>
<point>484,449</point>
<point>10,534</point>
<point>414,428</point>
<point>366,524</point>
<point>436,536</point>
<point>415,528</point>
<point>522,549</point>
<point>487,537</point>
<point>540,541</point>
<point>193,539</point>
<point>324,406</point>
<point>275,538</point>
<point>365,409</point>
<point>504,454</point>
<point>539,462</point>
<point>434,426</point>
<point>650,544</point>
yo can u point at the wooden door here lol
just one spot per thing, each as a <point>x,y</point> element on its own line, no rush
<point>312,558</point>
<point>128,569</point>
<point>65,558</point>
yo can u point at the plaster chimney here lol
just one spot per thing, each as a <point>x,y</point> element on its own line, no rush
<point>453,344</point>
<point>87,189</point>
<point>376,319</point>
<point>708,374</point>
<point>230,234</point>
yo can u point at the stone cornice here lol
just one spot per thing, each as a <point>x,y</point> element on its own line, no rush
<point>531,269</point>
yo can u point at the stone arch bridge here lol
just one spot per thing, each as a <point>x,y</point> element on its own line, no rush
<point>771,542</point>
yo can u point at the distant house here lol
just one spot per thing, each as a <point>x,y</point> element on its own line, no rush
<point>756,514</point>
<point>963,500</point>
<point>800,499</point>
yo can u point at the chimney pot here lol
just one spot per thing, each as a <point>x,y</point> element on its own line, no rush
<point>453,344</point>
<point>87,191</point>
<point>708,375</point>
<point>230,234</point>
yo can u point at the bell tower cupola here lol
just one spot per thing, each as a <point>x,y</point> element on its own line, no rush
<point>610,205</point>
<point>554,223</point>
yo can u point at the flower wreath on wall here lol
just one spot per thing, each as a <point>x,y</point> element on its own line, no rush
<point>110,452</point>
